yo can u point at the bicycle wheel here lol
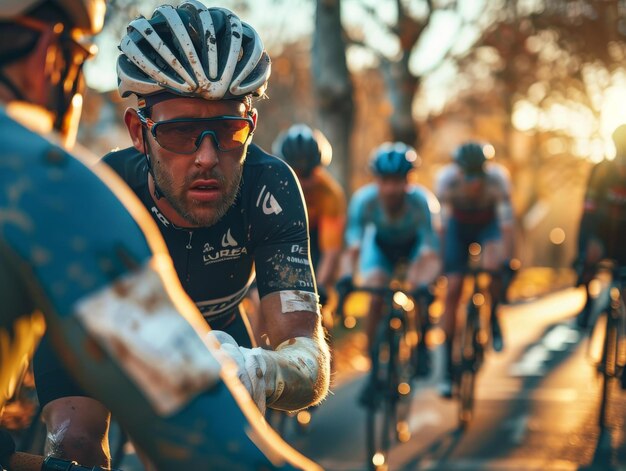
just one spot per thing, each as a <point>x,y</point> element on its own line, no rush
<point>608,367</point>
<point>468,366</point>
<point>381,413</point>
<point>404,363</point>
<point>416,339</point>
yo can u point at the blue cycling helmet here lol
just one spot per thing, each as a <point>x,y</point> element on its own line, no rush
<point>393,159</point>
<point>302,148</point>
<point>470,157</point>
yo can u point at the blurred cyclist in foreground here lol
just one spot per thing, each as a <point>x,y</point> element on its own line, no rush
<point>308,152</point>
<point>42,52</point>
<point>390,221</point>
<point>222,205</point>
<point>476,208</point>
<point>603,222</point>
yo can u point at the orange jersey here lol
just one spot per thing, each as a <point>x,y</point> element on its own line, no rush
<point>326,207</point>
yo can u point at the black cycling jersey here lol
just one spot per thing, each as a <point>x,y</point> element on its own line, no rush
<point>264,230</point>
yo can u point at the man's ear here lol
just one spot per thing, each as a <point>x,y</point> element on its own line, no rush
<point>135,128</point>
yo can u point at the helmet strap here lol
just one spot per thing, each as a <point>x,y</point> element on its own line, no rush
<point>158,194</point>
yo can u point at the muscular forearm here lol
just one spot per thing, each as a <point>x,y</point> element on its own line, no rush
<point>298,373</point>
<point>347,262</point>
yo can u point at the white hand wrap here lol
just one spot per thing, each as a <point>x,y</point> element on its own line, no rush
<point>251,367</point>
<point>294,376</point>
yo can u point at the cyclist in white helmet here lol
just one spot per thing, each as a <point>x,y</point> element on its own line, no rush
<point>225,208</point>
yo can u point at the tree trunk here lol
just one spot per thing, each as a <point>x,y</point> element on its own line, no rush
<point>401,87</point>
<point>333,86</point>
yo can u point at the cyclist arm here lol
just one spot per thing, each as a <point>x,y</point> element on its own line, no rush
<point>504,210</point>
<point>332,222</point>
<point>443,194</point>
<point>355,226</point>
<point>429,261</point>
<point>296,354</point>
<point>331,234</point>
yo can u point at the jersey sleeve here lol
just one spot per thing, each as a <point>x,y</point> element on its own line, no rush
<point>504,208</point>
<point>426,231</point>
<point>280,226</point>
<point>332,216</point>
<point>443,181</point>
<point>355,218</point>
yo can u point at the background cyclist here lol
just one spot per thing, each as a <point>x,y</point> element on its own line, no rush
<point>34,100</point>
<point>603,221</point>
<point>390,221</point>
<point>308,152</point>
<point>223,207</point>
<point>476,207</point>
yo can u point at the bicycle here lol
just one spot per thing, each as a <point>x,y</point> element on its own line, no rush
<point>473,339</point>
<point>612,331</point>
<point>395,362</point>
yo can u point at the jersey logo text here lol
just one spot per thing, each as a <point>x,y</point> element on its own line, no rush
<point>159,216</point>
<point>269,205</point>
<point>228,240</point>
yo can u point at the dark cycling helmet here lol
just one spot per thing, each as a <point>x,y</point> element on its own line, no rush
<point>302,148</point>
<point>619,139</point>
<point>81,18</point>
<point>194,51</point>
<point>87,16</point>
<point>393,159</point>
<point>470,157</point>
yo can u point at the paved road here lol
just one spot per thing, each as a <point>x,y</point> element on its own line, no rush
<point>536,408</point>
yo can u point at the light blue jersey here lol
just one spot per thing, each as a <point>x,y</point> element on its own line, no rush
<point>383,241</point>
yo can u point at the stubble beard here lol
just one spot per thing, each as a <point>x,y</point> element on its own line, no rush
<point>199,213</point>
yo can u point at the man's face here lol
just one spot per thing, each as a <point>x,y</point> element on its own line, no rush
<point>203,185</point>
<point>391,190</point>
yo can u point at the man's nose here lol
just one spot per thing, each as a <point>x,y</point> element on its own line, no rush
<point>207,153</point>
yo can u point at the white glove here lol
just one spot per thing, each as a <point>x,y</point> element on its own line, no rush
<point>251,366</point>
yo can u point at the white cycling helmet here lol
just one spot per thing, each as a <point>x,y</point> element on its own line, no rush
<point>86,15</point>
<point>194,51</point>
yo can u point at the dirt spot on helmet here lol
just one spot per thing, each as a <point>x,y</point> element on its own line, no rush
<point>148,31</point>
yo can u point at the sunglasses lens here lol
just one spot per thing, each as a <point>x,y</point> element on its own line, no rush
<point>186,136</point>
<point>178,137</point>
<point>232,133</point>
